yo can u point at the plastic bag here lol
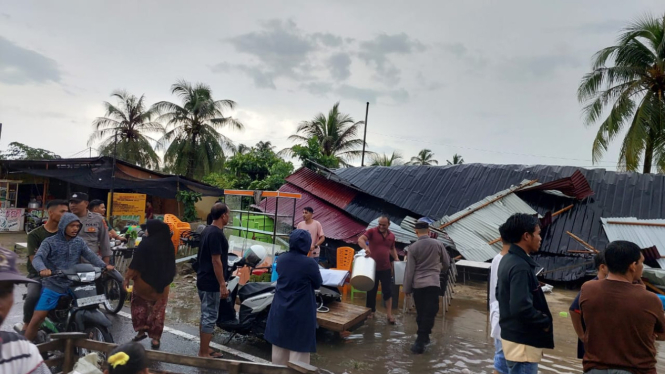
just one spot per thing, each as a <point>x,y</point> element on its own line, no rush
<point>87,365</point>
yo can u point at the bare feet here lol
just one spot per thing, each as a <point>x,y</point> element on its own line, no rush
<point>391,320</point>
<point>212,354</point>
<point>370,316</point>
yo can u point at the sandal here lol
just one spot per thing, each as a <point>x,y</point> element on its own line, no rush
<point>391,321</point>
<point>216,355</point>
<point>140,336</point>
<point>155,345</point>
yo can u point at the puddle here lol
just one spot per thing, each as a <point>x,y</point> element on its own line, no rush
<point>460,342</point>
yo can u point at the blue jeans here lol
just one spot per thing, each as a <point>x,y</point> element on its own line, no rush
<point>209,310</point>
<point>500,364</point>
<point>522,367</point>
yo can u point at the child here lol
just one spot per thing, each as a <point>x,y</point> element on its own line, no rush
<point>58,252</point>
<point>128,358</point>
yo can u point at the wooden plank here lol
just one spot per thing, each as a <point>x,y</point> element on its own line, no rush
<point>636,223</point>
<point>488,203</point>
<point>569,207</point>
<point>70,356</point>
<point>194,361</point>
<point>342,316</point>
<point>301,367</point>
<point>582,242</point>
<point>53,345</point>
<point>652,287</point>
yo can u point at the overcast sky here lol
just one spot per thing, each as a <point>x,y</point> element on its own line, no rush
<point>494,81</point>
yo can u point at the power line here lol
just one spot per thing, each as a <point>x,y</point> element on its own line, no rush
<point>494,151</point>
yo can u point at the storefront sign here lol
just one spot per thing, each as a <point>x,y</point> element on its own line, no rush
<point>11,219</point>
<point>128,208</point>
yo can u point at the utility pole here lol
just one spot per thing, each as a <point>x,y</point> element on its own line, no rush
<point>115,148</point>
<point>362,163</point>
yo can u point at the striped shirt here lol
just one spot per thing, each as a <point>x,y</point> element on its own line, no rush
<point>19,356</point>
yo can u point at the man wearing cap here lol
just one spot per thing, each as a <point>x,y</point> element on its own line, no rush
<point>17,354</point>
<point>94,230</point>
<point>427,258</point>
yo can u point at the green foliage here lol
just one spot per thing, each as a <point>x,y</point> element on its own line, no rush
<point>220,180</point>
<point>189,199</point>
<point>425,157</point>
<point>255,168</point>
<point>193,144</point>
<point>457,160</point>
<point>20,151</point>
<point>337,135</point>
<point>131,120</point>
<point>629,79</point>
<point>395,159</point>
<point>312,152</point>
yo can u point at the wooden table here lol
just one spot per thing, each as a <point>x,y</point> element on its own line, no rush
<point>342,316</point>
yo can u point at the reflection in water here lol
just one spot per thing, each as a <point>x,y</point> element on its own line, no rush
<point>460,343</point>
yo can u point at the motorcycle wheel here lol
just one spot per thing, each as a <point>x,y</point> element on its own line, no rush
<point>115,295</point>
<point>100,334</point>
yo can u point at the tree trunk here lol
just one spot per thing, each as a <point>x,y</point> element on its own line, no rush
<point>648,152</point>
<point>191,162</point>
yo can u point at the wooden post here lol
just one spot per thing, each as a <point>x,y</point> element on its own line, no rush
<point>582,242</point>
<point>637,223</point>
<point>489,202</point>
<point>70,358</point>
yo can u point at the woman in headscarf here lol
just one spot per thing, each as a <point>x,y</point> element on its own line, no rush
<point>293,339</point>
<point>152,269</point>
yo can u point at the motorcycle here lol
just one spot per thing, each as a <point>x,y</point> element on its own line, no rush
<point>256,298</point>
<point>32,221</point>
<point>79,310</point>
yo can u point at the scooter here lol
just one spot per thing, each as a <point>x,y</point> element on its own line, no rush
<point>256,298</point>
<point>79,310</point>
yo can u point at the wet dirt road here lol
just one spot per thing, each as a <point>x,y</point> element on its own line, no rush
<point>460,342</point>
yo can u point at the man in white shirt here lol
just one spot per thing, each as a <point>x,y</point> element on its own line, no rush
<point>17,355</point>
<point>500,366</point>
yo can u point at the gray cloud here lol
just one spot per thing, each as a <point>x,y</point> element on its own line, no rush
<point>428,83</point>
<point>280,46</point>
<point>457,49</point>
<point>375,53</point>
<point>5,15</point>
<point>340,66</point>
<point>371,95</point>
<point>20,66</point>
<point>317,88</point>
<point>327,39</point>
<point>261,78</point>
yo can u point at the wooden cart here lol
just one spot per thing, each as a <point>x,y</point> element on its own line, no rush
<point>68,342</point>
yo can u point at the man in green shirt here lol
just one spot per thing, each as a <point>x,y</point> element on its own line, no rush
<point>55,209</point>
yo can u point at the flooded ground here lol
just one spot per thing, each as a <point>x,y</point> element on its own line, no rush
<point>460,342</point>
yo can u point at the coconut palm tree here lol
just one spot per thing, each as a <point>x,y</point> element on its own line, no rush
<point>264,146</point>
<point>395,159</point>
<point>425,157</point>
<point>131,120</point>
<point>241,149</point>
<point>457,160</point>
<point>629,79</point>
<point>337,134</point>
<point>192,142</point>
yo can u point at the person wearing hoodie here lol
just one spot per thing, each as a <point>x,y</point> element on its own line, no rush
<point>58,252</point>
<point>293,339</point>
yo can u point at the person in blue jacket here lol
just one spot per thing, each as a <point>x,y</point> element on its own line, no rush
<point>292,320</point>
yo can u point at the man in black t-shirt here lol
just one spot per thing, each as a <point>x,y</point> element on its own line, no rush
<point>211,275</point>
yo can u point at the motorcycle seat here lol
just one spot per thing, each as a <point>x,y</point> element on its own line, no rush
<point>255,288</point>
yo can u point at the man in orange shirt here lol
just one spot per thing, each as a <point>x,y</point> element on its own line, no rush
<point>315,230</point>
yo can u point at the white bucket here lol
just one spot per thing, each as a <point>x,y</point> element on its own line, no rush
<point>400,269</point>
<point>362,276</point>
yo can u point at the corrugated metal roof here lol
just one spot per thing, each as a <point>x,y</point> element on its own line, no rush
<point>473,232</point>
<point>337,224</point>
<point>576,186</point>
<point>401,235</point>
<point>409,224</point>
<point>323,188</point>
<point>437,191</point>
<point>644,236</point>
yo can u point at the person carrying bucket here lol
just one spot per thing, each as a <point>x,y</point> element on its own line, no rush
<point>381,248</point>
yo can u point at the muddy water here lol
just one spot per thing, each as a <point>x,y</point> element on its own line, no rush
<point>460,341</point>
